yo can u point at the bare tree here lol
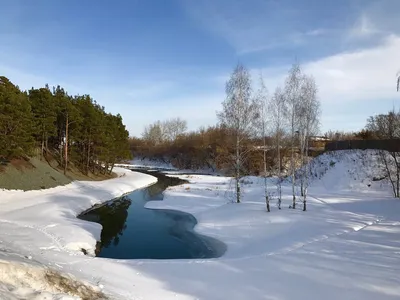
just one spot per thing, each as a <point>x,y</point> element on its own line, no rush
<point>339,135</point>
<point>173,128</point>
<point>276,109</point>
<point>398,80</point>
<point>154,133</point>
<point>263,100</point>
<point>292,96</point>
<point>388,127</point>
<point>166,131</point>
<point>309,113</point>
<point>239,114</point>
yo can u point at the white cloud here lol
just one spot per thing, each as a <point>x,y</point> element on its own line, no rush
<point>352,85</point>
<point>363,75</point>
<point>366,74</point>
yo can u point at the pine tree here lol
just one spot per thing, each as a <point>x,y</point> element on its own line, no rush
<point>44,113</point>
<point>15,121</point>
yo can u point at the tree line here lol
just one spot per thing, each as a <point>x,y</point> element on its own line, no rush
<point>50,123</point>
<point>256,133</point>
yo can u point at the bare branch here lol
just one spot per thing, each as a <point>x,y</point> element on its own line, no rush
<point>240,113</point>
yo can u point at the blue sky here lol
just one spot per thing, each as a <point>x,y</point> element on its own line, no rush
<point>158,59</point>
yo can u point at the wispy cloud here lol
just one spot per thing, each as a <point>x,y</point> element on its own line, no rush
<point>255,25</point>
<point>316,32</point>
<point>363,28</point>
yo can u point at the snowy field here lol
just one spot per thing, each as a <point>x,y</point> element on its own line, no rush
<point>346,246</point>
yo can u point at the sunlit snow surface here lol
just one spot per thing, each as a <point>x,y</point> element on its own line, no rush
<point>346,246</point>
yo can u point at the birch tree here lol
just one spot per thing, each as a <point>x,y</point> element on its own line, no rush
<point>165,131</point>
<point>309,113</point>
<point>173,128</point>
<point>276,109</point>
<point>263,101</point>
<point>240,113</point>
<point>292,96</point>
<point>154,133</point>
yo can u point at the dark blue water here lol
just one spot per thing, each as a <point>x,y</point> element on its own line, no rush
<point>131,231</point>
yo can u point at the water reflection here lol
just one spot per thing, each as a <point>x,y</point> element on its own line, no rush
<point>132,231</point>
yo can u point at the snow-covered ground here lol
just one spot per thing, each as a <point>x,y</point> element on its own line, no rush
<point>168,168</point>
<point>37,227</point>
<point>148,164</point>
<point>346,246</point>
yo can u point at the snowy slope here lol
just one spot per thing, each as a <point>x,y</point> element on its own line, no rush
<point>33,223</point>
<point>350,170</point>
<point>344,247</point>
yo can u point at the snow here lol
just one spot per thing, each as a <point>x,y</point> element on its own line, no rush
<point>148,163</point>
<point>346,246</point>
<point>39,222</point>
<point>165,167</point>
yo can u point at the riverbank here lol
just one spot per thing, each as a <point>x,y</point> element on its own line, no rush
<point>41,225</point>
<point>344,247</point>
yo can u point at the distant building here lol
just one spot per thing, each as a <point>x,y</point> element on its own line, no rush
<point>317,142</point>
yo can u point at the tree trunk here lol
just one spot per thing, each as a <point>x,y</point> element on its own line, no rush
<point>306,173</point>
<point>41,158</point>
<point>397,166</point>
<point>111,168</point>
<point>302,154</point>
<point>88,158</point>
<point>265,174</point>
<point>279,172</point>
<point>66,145</point>
<point>385,159</point>
<point>293,179</point>
<point>265,182</point>
<point>237,170</point>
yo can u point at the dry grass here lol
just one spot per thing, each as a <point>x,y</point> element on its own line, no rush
<point>67,285</point>
<point>37,280</point>
<point>20,164</point>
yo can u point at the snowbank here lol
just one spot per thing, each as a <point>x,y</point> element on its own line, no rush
<point>53,212</point>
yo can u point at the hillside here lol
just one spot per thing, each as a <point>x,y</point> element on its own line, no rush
<point>349,170</point>
<point>34,174</point>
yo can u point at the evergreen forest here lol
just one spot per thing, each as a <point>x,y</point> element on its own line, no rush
<point>52,124</point>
